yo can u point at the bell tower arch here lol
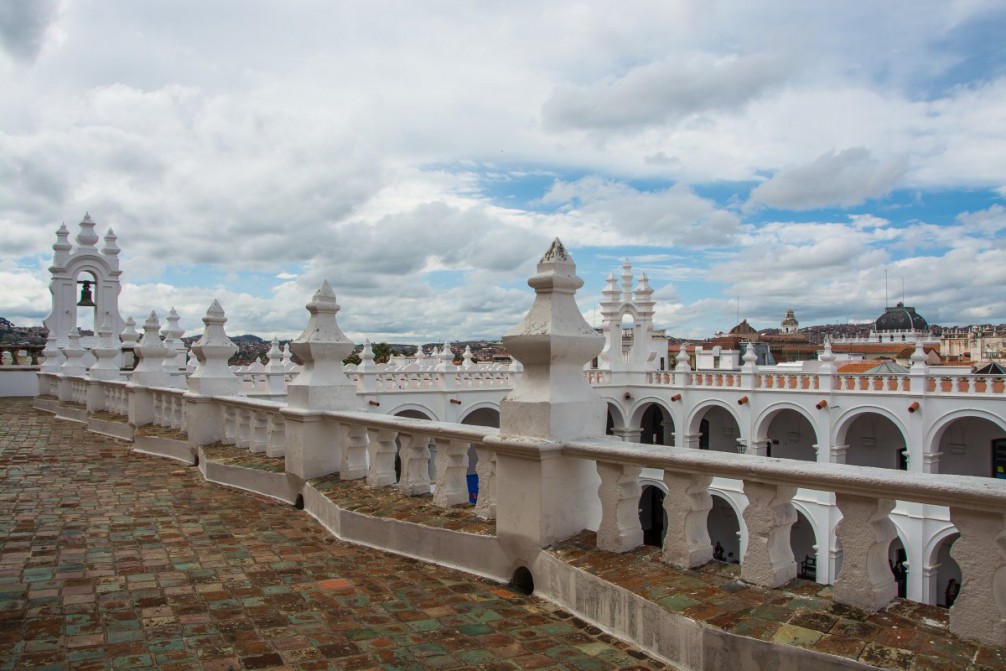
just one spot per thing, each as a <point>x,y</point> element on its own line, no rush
<point>84,283</point>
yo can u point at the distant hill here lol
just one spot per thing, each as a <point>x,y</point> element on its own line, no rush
<point>247,339</point>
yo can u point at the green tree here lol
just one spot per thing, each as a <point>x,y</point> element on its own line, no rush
<point>382,352</point>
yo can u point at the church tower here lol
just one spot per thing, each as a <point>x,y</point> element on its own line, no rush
<point>84,283</point>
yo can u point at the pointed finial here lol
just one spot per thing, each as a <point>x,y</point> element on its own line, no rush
<point>87,237</point>
<point>111,248</point>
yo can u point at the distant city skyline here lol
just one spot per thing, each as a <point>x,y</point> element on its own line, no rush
<point>776,154</point>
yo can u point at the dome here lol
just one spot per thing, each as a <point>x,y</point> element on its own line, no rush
<point>901,318</point>
<point>743,329</point>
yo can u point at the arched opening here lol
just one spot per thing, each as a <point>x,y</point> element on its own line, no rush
<point>657,426</point>
<point>724,531</point>
<point>973,446</point>
<point>791,436</point>
<point>948,572</point>
<point>87,291</point>
<point>522,581</point>
<point>652,516</point>
<point>478,417</point>
<point>874,440</point>
<point>897,558</point>
<point>628,326</point>
<point>299,502</point>
<point>718,430</point>
<point>803,542</point>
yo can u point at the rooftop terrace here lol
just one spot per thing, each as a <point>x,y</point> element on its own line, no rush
<point>114,559</point>
<point>110,559</point>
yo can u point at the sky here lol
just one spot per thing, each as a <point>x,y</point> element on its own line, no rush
<point>750,157</point>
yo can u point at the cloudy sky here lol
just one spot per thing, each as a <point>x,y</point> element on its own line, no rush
<point>748,156</point>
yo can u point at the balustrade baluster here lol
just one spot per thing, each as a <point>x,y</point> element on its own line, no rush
<point>354,452</point>
<point>619,491</point>
<point>769,515</point>
<point>415,458</point>
<point>980,608</point>
<point>259,431</point>
<point>230,426</point>
<point>485,506</point>
<point>244,428</point>
<point>276,446</point>
<point>865,532</point>
<point>382,457</point>
<point>452,469</point>
<point>687,505</point>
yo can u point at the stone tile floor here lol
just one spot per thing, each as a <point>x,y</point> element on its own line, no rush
<point>115,560</point>
<point>229,580</point>
<point>907,635</point>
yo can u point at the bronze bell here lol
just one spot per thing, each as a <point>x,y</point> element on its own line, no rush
<point>86,300</point>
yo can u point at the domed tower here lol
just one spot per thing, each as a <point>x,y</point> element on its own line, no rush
<point>790,325</point>
<point>900,324</point>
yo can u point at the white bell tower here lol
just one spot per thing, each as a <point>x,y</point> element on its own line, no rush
<point>84,283</point>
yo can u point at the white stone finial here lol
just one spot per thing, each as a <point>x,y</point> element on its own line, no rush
<point>129,334</point>
<point>919,355</point>
<point>61,247</point>
<point>445,357</point>
<point>322,384</point>
<point>366,357</point>
<point>213,377</point>
<point>151,351</point>
<point>750,358</point>
<point>468,361</point>
<point>682,366</point>
<point>610,291</point>
<point>87,237</point>
<point>553,399</point>
<point>275,356</point>
<point>106,366</point>
<point>111,248</point>
<point>643,288</point>
<point>626,280</point>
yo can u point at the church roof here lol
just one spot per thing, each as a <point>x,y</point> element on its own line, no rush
<point>900,318</point>
<point>743,329</point>
<point>991,369</point>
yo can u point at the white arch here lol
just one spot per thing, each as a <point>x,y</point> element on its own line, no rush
<point>640,406</point>
<point>936,540</point>
<point>765,417</point>
<point>416,408</point>
<point>845,420</point>
<point>695,417</point>
<point>617,416</point>
<point>937,427</point>
<point>652,482</point>
<point>630,309</point>
<point>475,407</point>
